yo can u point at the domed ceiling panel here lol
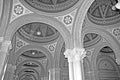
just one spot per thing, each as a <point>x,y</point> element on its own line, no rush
<point>51,6</point>
<point>33,54</point>
<point>91,39</point>
<point>38,32</point>
<point>101,13</point>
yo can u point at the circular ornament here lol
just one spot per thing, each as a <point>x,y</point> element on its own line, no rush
<point>18,9</point>
<point>101,12</point>
<point>50,6</point>
<point>51,48</point>
<point>67,19</point>
<point>19,44</point>
<point>116,32</point>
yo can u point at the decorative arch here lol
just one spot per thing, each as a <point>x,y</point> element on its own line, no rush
<point>105,35</point>
<point>15,25</point>
<point>32,47</point>
<point>79,22</point>
<point>101,61</point>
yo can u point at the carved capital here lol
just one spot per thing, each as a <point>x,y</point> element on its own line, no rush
<point>75,54</point>
<point>68,54</point>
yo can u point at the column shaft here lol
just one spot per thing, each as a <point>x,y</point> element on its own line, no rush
<point>77,70</point>
<point>3,58</point>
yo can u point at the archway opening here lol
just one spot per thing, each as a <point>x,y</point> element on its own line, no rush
<point>37,53</point>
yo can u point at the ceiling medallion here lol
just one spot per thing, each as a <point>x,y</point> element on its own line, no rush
<point>101,13</point>
<point>51,6</point>
<point>38,32</point>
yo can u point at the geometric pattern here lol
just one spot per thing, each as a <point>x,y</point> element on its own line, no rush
<point>101,13</point>
<point>50,6</point>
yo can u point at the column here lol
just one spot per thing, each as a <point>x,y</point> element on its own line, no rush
<point>79,54</point>
<point>3,53</point>
<point>75,58</point>
<point>68,54</point>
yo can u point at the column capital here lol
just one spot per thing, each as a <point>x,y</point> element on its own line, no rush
<point>75,54</point>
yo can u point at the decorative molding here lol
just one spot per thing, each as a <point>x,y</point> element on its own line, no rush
<point>68,20</point>
<point>18,10</point>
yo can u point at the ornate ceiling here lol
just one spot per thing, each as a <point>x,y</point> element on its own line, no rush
<point>101,12</point>
<point>51,6</point>
<point>38,32</point>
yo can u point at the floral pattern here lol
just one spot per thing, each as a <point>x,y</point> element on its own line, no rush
<point>67,19</point>
<point>18,9</point>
